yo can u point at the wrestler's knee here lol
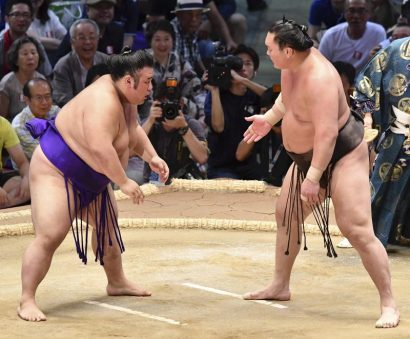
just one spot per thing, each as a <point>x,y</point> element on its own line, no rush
<point>49,241</point>
<point>359,237</point>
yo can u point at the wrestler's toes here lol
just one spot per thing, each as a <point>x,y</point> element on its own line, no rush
<point>388,319</point>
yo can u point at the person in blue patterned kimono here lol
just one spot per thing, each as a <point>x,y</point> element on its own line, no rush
<point>383,96</point>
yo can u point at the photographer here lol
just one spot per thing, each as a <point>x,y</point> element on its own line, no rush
<point>178,138</point>
<point>229,101</point>
<point>167,63</point>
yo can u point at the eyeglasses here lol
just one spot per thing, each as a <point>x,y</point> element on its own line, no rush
<point>40,98</point>
<point>83,38</point>
<point>20,15</point>
<point>359,11</point>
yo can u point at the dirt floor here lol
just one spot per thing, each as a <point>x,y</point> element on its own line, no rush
<point>197,277</point>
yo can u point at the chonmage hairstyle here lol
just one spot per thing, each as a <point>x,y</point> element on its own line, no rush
<point>128,62</point>
<point>290,34</point>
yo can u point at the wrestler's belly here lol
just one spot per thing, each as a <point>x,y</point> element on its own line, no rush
<point>297,136</point>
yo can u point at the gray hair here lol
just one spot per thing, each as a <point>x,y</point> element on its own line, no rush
<point>83,21</point>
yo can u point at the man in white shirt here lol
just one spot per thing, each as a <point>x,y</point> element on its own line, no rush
<point>353,40</point>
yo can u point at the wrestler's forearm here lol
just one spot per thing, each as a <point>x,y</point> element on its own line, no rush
<point>323,148</point>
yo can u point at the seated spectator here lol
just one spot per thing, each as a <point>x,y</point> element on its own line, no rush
<point>186,26</point>
<point>177,138</point>
<point>38,97</point>
<point>70,72</point>
<point>14,188</point>
<point>347,75</point>
<point>168,64</point>
<point>324,14</point>
<point>383,13</point>
<point>19,15</point>
<point>236,22</point>
<point>163,9</point>
<point>46,26</point>
<point>225,112</point>
<point>111,36</point>
<point>353,40</point>
<point>401,30</point>
<point>24,58</point>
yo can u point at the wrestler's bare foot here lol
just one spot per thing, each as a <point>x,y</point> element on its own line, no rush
<point>269,293</point>
<point>126,287</point>
<point>29,311</point>
<point>390,318</point>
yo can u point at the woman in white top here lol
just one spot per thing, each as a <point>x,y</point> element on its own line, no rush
<point>46,25</point>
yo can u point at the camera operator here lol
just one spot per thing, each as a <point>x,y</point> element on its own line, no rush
<point>226,106</point>
<point>177,137</point>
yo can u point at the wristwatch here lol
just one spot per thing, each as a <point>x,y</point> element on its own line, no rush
<point>182,131</point>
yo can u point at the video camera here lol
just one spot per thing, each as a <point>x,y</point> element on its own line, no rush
<point>219,70</point>
<point>169,99</point>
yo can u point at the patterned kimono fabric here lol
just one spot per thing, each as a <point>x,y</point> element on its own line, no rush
<point>385,82</point>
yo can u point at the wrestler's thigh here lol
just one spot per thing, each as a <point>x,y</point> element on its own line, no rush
<point>284,202</point>
<point>351,191</point>
<point>48,198</point>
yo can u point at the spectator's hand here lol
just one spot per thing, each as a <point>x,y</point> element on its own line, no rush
<point>155,111</point>
<point>208,87</point>
<point>24,192</point>
<point>236,77</point>
<point>309,191</point>
<point>133,190</point>
<point>368,120</point>
<point>160,167</point>
<point>231,45</point>
<point>4,199</point>
<point>177,123</point>
<point>257,130</point>
<point>374,50</point>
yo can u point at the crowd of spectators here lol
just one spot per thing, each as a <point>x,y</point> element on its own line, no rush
<point>195,124</point>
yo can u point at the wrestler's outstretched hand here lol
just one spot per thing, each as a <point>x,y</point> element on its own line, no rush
<point>133,190</point>
<point>309,192</point>
<point>257,130</point>
<point>160,167</point>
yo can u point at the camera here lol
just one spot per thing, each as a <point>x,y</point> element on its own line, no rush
<point>169,99</point>
<point>220,66</point>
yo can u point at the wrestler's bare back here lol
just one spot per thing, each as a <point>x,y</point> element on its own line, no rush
<point>297,127</point>
<point>96,107</point>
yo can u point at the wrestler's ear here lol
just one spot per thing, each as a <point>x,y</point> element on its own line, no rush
<point>128,80</point>
<point>289,52</point>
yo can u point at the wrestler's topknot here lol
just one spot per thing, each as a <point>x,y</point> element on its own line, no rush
<point>288,33</point>
<point>128,62</point>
